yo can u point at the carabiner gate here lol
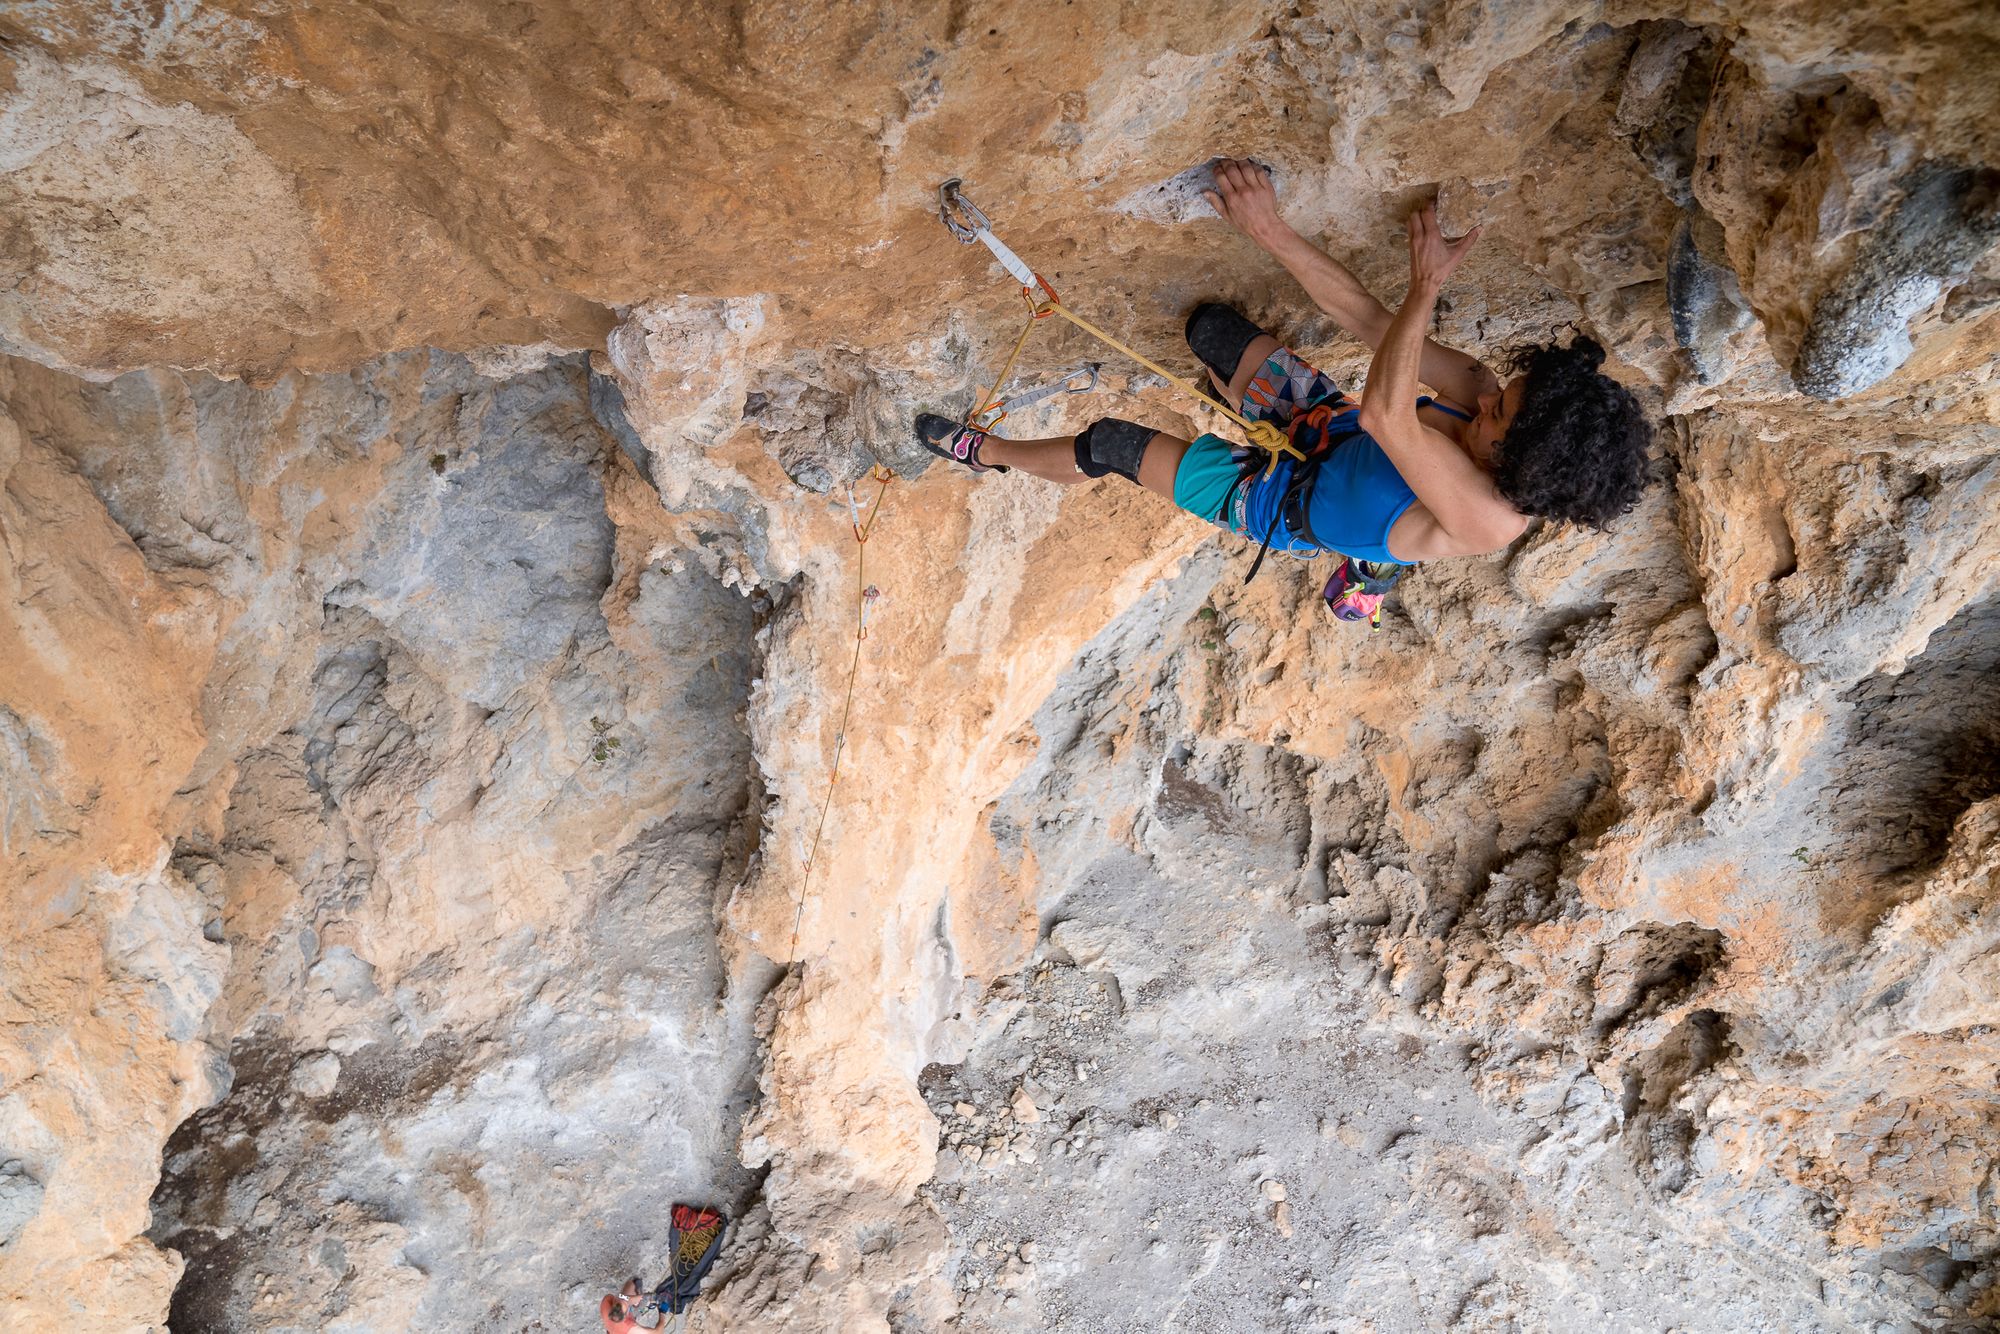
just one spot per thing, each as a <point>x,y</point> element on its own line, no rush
<point>950,201</point>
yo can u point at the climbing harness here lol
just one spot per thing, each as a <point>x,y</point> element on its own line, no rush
<point>969,224</point>
<point>1315,426</point>
<point>694,1236</point>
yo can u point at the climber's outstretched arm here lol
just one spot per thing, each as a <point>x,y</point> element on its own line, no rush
<point>1243,195</point>
<point>1459,494</point>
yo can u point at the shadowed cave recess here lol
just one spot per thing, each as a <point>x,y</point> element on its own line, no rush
<point>432,453</point>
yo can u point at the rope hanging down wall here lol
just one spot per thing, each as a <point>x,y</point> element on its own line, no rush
<point>864,594</point>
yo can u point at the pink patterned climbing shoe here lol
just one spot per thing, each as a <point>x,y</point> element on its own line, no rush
<point>953,440</point>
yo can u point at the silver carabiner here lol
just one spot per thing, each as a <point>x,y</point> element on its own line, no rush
<point>1089,385</point>
<point>1064,384</point>
<point>951,200</point>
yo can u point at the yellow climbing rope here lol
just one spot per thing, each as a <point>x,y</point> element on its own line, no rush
<point>1262,435</point>
<point>863,596</point>
<point>991,399</point>
<point>968,224</point>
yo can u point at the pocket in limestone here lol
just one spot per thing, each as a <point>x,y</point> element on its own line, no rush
<point>1230,810</point>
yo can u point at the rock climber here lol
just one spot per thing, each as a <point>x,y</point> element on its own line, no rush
<point>1398,477</point>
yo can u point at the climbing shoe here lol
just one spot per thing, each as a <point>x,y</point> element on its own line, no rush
<point>1356,591</point>
<point>953,440</point>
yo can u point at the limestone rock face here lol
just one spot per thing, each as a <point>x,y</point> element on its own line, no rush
<point>436,834</point>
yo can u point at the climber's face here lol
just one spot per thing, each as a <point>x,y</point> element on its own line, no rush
<point>1496,413</point>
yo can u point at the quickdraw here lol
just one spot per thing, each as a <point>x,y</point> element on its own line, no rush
<point>968,223</point>
<point>1062,384</point>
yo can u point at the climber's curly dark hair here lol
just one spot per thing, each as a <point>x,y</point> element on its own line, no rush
<point>1577,449</point>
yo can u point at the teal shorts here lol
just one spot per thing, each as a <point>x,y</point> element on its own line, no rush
<point>1207,473</point>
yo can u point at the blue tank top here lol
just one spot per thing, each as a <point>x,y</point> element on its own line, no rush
<point>1356,499</point>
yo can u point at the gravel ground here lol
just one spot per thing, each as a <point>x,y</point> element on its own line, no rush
<point>1222,1146</point>
<point>1183,1114</point>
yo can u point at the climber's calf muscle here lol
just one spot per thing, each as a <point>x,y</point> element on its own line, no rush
<point>1162,463</point>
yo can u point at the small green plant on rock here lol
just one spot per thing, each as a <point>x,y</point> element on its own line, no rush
<point>603,745</point>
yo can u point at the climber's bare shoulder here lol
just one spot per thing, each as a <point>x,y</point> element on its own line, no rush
<point>1418,536</point>
<point>1456,377</point>
<point>1485,522</point>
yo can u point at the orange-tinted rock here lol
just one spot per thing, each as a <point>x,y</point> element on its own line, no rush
<point>431,749</point>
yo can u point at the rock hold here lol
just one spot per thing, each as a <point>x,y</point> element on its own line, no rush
<point>1948,217</point>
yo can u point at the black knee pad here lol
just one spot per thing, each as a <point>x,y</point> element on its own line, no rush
<point>1111,445</point>
<point>1220,337</point>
